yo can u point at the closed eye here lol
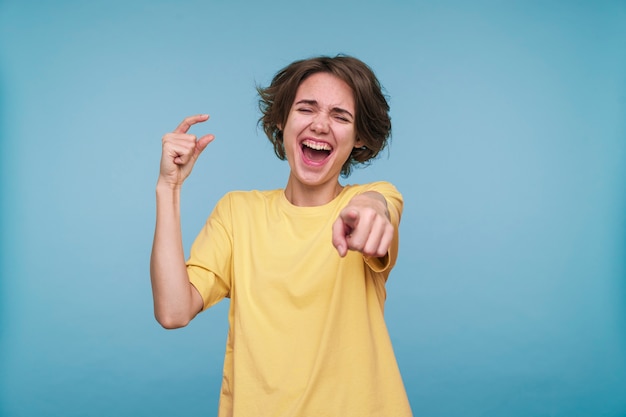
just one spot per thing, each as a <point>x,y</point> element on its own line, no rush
<point>343,117</point>
<point>306,106</point>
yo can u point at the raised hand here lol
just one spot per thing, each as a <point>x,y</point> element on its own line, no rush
<point>181,150</point>
<point>364,226</point>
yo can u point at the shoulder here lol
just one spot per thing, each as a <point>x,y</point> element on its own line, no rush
<point>242,200</point>
<point>242,206</point>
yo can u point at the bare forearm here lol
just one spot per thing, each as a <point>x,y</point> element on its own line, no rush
<point>373,198</point>
<point>175,303</point>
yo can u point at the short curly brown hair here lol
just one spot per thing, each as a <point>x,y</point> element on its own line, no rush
<point>372,120</point>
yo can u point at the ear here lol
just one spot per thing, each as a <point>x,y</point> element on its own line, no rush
<point>358,143</point>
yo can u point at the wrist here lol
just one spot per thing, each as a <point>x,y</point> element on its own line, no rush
<point>164,186</point>
<point>374,200</point>
<point>167,199</point>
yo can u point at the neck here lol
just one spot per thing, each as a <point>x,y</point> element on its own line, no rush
<point>303,195</point>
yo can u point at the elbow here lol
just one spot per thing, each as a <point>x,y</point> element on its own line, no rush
<point>171,322</point>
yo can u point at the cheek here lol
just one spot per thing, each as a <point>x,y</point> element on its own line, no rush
<point>293,125</point>
<point>349,136</point>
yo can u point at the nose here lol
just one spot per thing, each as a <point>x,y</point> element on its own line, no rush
<point>320,123</point>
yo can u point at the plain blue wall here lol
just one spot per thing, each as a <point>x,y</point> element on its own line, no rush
<point>509,298</point>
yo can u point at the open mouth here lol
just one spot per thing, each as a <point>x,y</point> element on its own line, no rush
<point>316,151</point>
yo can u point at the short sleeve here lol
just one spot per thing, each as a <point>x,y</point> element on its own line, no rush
<point>210,261</point>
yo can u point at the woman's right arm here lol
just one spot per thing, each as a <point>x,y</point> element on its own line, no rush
<point>176,301</point>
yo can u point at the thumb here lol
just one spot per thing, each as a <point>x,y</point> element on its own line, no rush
<point>202,143</point>
<point>350,219</point>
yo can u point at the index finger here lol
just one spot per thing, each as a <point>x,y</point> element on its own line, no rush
<point>190,121</point>
<point>339,237</point>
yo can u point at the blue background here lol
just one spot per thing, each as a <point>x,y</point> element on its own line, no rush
<point>509,298</point>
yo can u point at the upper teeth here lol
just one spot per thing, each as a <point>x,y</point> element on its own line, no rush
<point>318,146</point>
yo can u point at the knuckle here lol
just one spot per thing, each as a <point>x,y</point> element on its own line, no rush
<point>357,244</point>
<point>372,252</point>
<point>369,214</point>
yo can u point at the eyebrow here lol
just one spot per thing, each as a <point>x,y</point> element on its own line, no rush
<point>334,109</point>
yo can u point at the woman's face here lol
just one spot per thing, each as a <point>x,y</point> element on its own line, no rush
<point>320,133</point>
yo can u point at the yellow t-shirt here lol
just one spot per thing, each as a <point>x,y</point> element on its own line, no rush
<point>307,336</point>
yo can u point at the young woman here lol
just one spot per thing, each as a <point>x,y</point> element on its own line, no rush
<point>305,267</point>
